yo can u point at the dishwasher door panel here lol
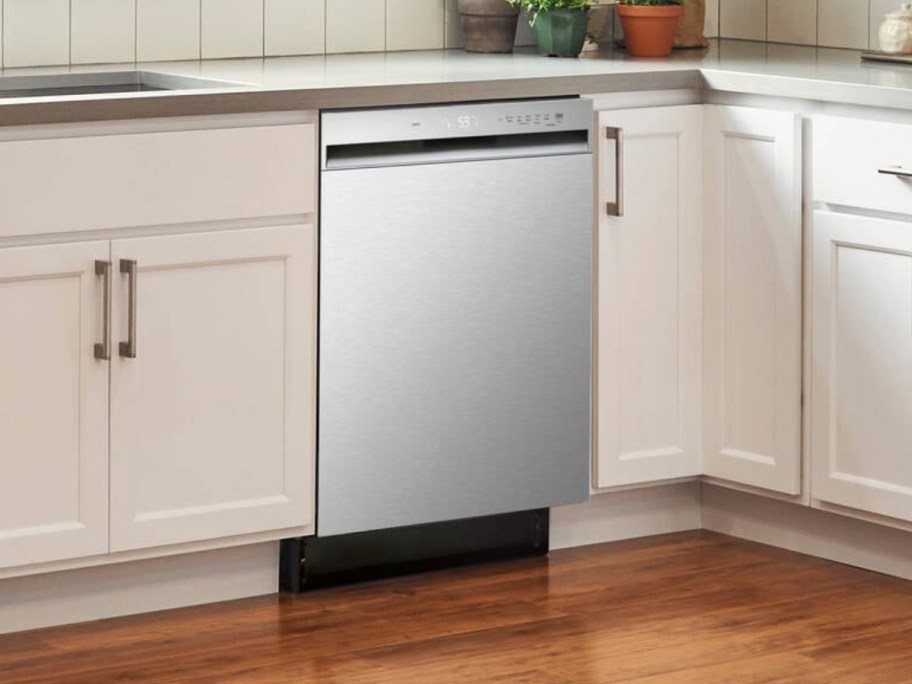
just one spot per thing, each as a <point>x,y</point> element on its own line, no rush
<point>455,334</point>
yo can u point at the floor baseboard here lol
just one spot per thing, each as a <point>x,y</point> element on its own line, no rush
<point>61,598</point>
<point>626,515</point>
<point>807,530</point>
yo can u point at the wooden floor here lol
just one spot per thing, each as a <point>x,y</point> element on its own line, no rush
<point>694,607</point>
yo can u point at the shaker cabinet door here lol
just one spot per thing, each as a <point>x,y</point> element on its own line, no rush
<point>53,404</point>
<point>212,407</point>
<point>861,416</point>
<point>752,285</point>
<point>649,295</point>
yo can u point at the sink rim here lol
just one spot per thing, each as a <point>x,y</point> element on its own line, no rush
<point>45,85</point>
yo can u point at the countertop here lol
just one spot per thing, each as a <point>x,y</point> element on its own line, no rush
<point>334,81</point>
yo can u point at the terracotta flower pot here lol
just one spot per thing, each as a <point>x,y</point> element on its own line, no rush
<point>649,30</point>
<point>488,25</point>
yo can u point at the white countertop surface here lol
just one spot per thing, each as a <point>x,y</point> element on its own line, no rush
<point>329,81</point>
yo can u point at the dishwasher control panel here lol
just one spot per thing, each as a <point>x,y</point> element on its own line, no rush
<point>522,121</point>
<point>511,117</point>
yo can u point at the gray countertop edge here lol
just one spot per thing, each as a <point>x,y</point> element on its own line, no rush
<point>254,99</point>
<point>803,88</point>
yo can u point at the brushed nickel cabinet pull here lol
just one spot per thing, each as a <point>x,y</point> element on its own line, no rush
<point>128,348</point>
<point>615,133</point>
<point>896,171</point>
<point>103,348</point>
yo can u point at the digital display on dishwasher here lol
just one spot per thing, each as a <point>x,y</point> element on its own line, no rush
<point>462,122</point>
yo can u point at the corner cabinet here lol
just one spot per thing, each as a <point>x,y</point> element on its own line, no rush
<point>158,377</point>
<point>753,298</point>
<point>649,295</point>
<point>699,297</point>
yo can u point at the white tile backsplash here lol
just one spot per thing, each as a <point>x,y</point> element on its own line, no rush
<point>842,23</point>
<point>44,32</point>
<point>415,24</point>
<point>355,25</point>
<point>231,28</point>
<point>36,32</point>
<point>102,31</point>
<point>295,27</point>
<point>745,19</point>
<point>167,29</point>
<point>711,30</point>
<point>792,21</point>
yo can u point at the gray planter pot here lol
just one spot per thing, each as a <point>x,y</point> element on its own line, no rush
<point>488,25</point>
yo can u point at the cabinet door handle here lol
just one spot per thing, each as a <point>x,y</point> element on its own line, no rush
<point>103,348</point>
<point>615,133</point>
<point>128,348</point>
<point>896,171</point>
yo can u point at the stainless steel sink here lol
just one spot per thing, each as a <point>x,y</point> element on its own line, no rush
<point>64,85</point>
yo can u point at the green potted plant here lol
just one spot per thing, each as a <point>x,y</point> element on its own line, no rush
<point>560,25</point>
<point>649,26</point>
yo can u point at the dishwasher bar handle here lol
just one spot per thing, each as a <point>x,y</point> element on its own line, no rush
<point>446,150</point>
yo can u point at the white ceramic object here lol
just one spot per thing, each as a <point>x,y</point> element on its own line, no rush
<point>895,33</point>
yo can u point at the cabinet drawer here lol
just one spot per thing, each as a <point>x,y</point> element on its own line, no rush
<point>849,157</point>
<point>61,184</point>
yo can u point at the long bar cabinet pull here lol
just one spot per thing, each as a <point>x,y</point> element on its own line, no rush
<point>128,348</point>
<point>615,133</point>
<point>896,171</point>
<point>103,348</point>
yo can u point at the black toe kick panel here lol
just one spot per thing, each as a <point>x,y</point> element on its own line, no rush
<point>312,562</point>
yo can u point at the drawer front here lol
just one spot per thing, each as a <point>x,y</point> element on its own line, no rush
<point>859,163</point>
<point>63,184</point>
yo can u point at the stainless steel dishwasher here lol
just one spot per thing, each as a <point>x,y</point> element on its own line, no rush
<point>455,306</point>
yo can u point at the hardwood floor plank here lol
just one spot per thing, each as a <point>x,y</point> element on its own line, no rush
<point>691,607</point>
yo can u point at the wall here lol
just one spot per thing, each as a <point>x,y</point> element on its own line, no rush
<point>44,32</point>
<point>830,23</point>
<point>40,32</point>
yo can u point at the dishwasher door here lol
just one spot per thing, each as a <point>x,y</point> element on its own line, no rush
<point>455,306</point>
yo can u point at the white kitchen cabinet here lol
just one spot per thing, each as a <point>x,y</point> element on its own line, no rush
<point>862,364</point>
<point>208,432</point>
<point>649,297</point>
<point>53,404</point>
<point>753,290</point>
<point>212,422</point>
